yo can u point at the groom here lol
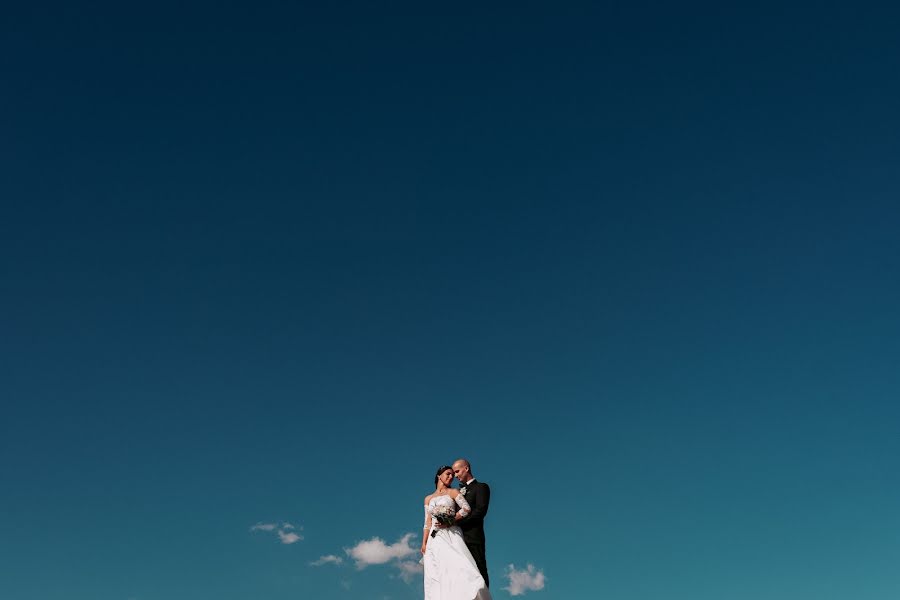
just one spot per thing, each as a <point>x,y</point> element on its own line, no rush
<point>478,495</point>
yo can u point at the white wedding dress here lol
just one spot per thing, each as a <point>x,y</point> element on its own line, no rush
<point>450,571</point>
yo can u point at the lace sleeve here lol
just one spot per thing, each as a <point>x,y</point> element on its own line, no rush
<point>464,508</point>
<point>427,518</point>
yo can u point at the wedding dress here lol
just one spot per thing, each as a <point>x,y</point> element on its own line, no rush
<point>450,571</point>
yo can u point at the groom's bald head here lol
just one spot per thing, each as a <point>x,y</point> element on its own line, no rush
<point>462,469</point>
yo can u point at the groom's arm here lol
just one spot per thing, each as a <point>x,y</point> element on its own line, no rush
<point>481,501</point>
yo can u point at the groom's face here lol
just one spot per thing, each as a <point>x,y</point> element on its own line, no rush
<point>461,472</point>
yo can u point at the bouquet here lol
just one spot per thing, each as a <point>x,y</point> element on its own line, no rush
<point>445,515</point>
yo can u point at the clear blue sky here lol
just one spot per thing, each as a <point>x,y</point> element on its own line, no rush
<point>273,264</point>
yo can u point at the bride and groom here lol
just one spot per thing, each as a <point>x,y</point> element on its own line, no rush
<point>453,536</point>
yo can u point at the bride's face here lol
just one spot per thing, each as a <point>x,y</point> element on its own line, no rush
<point>446,477</point>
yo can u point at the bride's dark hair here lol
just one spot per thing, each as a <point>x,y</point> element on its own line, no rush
<point>439,471</point>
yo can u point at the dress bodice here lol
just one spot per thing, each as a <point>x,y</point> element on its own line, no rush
<point>441,501</point>
<point>444,505</point>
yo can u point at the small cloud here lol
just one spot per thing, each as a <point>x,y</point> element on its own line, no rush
<point>289,538</point>
<point>376,552</point>
<point>327,559</point>
<point>346,584</point>
<point>283,530</point>
<point>410,570</point>
<point>526,580</point>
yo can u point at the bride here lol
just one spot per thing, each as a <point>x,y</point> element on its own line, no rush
<point>450,571</point>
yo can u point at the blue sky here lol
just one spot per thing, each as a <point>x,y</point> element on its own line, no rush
<point>264,268</point>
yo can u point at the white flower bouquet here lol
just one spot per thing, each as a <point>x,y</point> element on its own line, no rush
<point>445,515</point>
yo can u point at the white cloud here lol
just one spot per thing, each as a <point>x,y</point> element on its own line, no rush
<point>400,555</point>
<point>283,530</point>
<point>289,538</point>
<point>328,558</point>
<point>376,552</point>
<point>526,580</point>
<point>409,570</point>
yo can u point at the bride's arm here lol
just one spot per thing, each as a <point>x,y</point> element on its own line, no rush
<point>464,508</point>
<point>427,528</point>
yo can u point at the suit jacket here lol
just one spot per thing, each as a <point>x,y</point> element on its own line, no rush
<point>478,495</point>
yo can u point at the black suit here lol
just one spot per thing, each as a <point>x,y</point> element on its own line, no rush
<point>478,495</point>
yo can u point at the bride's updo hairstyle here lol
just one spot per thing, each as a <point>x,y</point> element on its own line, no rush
<point>439,471</point>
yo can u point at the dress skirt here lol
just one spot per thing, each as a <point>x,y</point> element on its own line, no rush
<point>450,570</point>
